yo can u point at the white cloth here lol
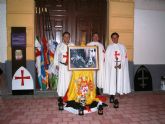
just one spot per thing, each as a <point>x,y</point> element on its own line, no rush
<point>64,74</point>
<point>123,81</point>
<point>38,57</point>
<point>99,75</point>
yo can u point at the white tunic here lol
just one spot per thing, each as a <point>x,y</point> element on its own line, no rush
<point>123,81</point>
<point>99,75</point>
<point>64,75</point>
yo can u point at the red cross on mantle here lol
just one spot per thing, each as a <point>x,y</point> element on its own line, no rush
<point>66,56</point>
<point>116,54</point>
<point>22,77</point>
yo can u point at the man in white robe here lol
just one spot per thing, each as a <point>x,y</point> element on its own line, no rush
<point>99,75</point>
<point>60,63</point>
<point>116,73</point>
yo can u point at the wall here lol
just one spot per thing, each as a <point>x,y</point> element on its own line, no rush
<point>144,39</point>
<point>3,46</point>
<point>149,38</point>
<point>20,13</point>
<point>121,20</point>
<point>3,30</point>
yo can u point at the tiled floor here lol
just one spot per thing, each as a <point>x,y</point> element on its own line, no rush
<point>135,108</point>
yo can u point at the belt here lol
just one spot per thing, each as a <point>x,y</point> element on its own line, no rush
<point>64,63</point>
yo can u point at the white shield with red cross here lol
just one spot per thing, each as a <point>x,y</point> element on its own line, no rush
<point>22,80</point>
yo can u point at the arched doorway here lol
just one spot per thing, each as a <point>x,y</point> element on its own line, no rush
<point>79,17</point>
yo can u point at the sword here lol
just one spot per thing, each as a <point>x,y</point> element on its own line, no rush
<point>116,67</point>
<point>116,102</point>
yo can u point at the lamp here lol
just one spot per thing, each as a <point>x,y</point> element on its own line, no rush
<point>116,103</point>
<point>100,110</point>
<point>111,99</point>
<point>60,106</point>
<point>81,110</point>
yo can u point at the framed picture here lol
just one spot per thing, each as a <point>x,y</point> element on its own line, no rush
<point>83,58</point>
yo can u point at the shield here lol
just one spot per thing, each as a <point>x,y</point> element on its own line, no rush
<point>142,79</point>
<point>22,81</point>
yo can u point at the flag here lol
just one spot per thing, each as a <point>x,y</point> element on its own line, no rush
<point>53,74</point>
<point>38,61</point>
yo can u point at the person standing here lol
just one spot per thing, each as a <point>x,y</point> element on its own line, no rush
<point>60,64</point>
<point>116,68</point>
<point>99,75</point>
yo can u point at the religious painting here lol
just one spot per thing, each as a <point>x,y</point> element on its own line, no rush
<point>83,58</point>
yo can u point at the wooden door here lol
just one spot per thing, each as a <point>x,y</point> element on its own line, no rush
<point>79,17</point>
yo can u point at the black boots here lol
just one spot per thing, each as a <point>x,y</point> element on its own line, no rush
<point>60,104</point>
<point>114,101</point>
